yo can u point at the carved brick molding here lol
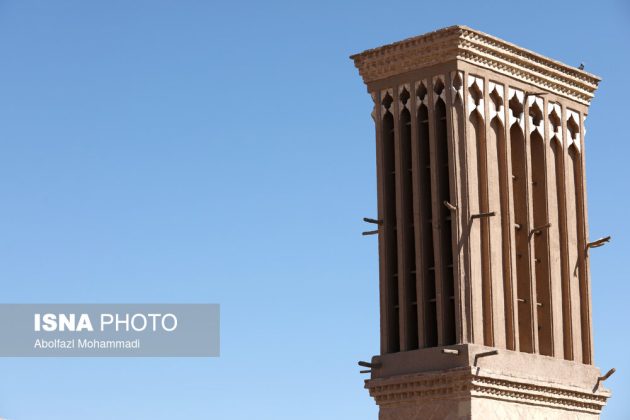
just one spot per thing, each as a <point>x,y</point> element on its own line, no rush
<point>473,383</point>
<point>466,44</point>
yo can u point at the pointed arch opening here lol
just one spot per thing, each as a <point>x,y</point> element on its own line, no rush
<point>558,201</point>
<point>389,225</point>
<point>579,270</point>
<point>425,190</point>
<point>521,228</point>
<point>541,244</point>
<point>410,293</point>
<point>478,127</point>
<point>560,197</point>
<point>444,218</point>
<point>497,137</point>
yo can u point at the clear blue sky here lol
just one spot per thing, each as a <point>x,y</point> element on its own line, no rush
<point>191,151</point>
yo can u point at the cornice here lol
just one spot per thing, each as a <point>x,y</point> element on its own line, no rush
<point>471,383</point>
<point>480,49</point>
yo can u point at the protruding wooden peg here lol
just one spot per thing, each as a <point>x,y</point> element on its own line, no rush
<point>480,215</point>
<point>449,206</point>
<point>603,378</point>
<point>539,229</point>
<point>607,375</point>
<point>519,300</point>
<point>517,226</point>
<point>365,371</point>
<point>368,364</point>
<point>598,243</point>
<point>528,94</point>
<point>485,354</point>
<point>375,221</point>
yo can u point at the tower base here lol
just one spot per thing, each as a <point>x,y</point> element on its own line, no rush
<point>476,383</point>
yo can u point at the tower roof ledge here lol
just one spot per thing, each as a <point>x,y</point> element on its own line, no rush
<point>462,43</point>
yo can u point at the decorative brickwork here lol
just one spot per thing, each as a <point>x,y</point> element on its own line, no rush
<point>463,43</point>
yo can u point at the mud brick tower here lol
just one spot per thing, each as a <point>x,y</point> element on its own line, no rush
<point>482,231</point>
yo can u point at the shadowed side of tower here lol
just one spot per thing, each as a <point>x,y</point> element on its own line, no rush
<point>482,231</point>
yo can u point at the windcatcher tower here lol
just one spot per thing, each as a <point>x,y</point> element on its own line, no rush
<point>482,228</point>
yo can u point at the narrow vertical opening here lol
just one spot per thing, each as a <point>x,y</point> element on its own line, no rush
<point>573,246</point>
<point>464,324</point>
<point>477,124</point>
<point>389,227</point>
<point>576,161</point>
<point>541,244</point>
<point>478,128</point>
<point>444,218</point>
<point>497,130</point>
<point>556,148</point>
<point>411,316</point>
<point>519,179</point>
<point>428,270</point>
<point>581,274</point>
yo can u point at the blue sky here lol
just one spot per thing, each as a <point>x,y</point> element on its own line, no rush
<point>190,151</point>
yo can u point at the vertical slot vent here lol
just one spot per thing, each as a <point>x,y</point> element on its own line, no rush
<point>498,226</point>
<point>498,135</point>
<point>444,219</point>
<point>411,317</point>
<point>523,281</point>
<point>389,227</point>
<point>581,242</point>
<point>541,244</point>
<point>555,127</point>
<point>428,257</point>
<point>477,125</point>
<point>556,148</point>
<point>580,277</point>
<point>572,247</point>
